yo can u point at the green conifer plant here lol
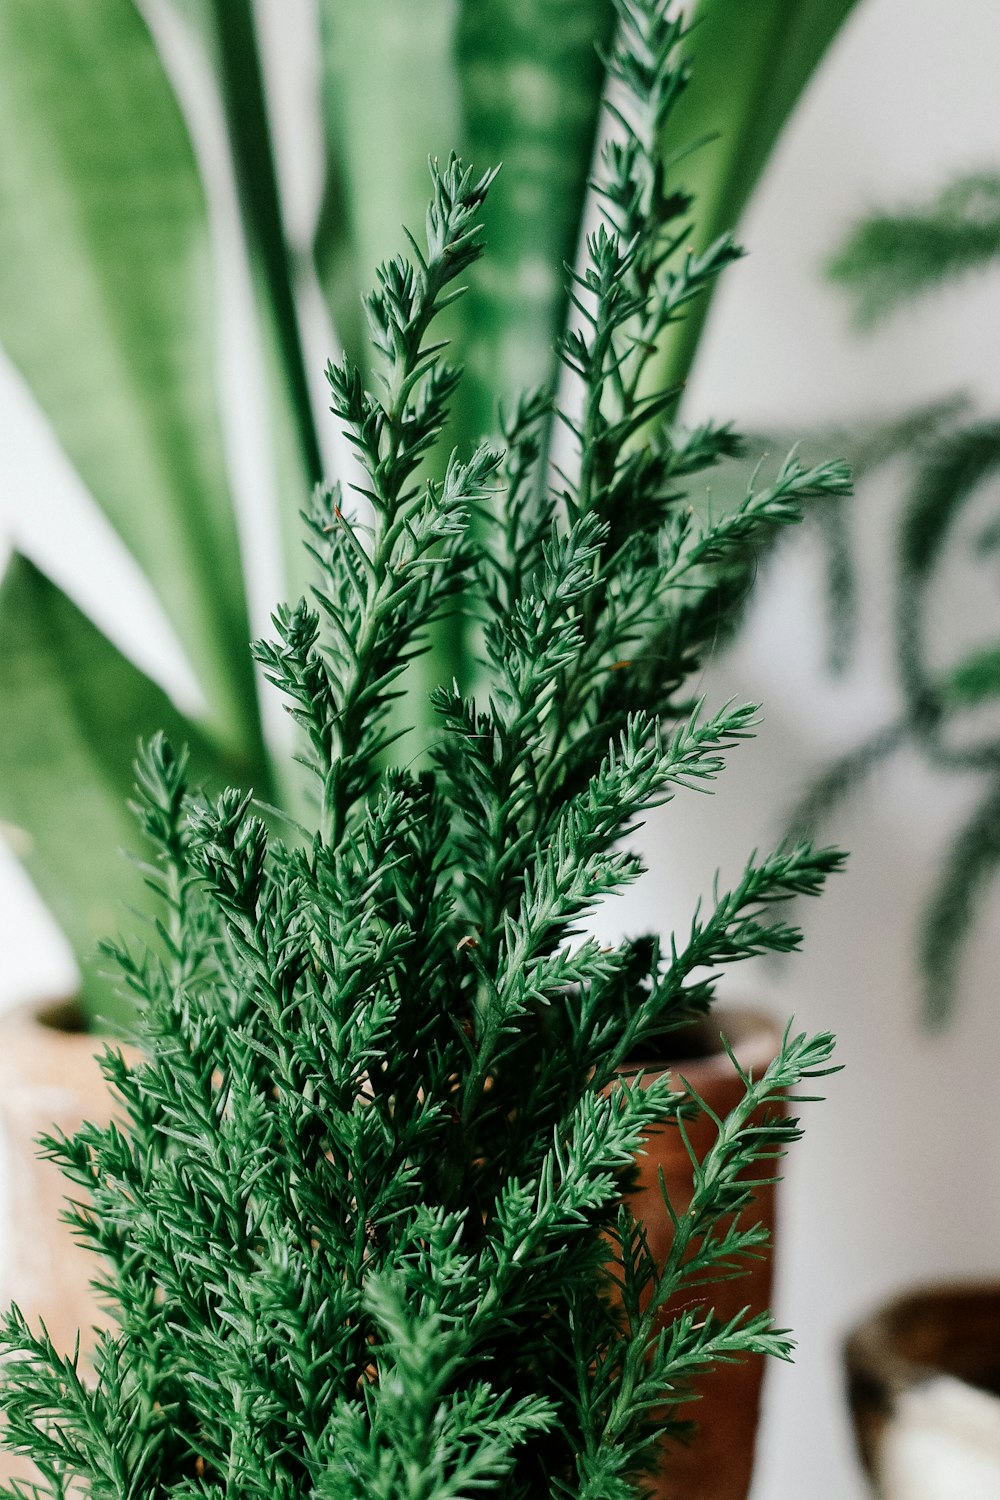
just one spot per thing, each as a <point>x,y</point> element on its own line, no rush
<point>363,1228</point>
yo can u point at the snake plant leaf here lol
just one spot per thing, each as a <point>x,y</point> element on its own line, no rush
<point>227,36</point>
<point>531,79</point>
<point>230,31</point>
<point>520,86</point>
<point>74,709</point>
<point>390,100</point>
<point>750,64</point>
<point>336,267</point>
<point>335,257</point>
<point>106,307</point>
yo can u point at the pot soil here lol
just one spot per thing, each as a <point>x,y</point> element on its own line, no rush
<point>923,1378</point>
<point>718,1463</point>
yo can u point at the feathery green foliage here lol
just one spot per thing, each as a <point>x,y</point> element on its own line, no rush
<point>952,457</point>
<point>892,258</point>
<point>364,1229</point>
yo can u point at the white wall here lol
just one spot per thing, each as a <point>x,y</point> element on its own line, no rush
<point>897,1178</point>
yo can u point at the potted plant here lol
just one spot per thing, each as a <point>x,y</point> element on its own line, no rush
<point>104,257</point>
<point>93,265</point>
<point>366,1221</point>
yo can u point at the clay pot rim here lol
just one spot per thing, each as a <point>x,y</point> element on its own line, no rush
<point>52,1029</point>
<point>877,1348</point>
<point>753,1036</point>
<point>59,1015</point>
<point>748,1029</point>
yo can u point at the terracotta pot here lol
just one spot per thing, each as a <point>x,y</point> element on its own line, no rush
<point>924,1390</point>
<point>49,1077</point>
<point>718,1463</point>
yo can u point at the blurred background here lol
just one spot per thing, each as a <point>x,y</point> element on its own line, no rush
<point>896,1180</point>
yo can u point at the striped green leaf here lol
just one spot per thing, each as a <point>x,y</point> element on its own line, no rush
<point>390,100</point>
<point>230,34</point>
<point>106,307</point>
<point>73,711</point>
<point>531,78</point>
<point>750,63</point>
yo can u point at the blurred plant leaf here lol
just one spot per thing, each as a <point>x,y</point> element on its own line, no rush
<point>824,794</point>
<point>841,584</point>
<point>950,475</point>
<point>872,444</point>
<point>231,38</point>
<point>988,540</point>
<point>334,256</point>
<point>892,258</point>
<point>889,259</point>
<point>521,86</point>
<point>390,100</point>
<point>971,863</point>
<point>975,680</point>
<point>868,446</point>
<point>531,84</point>
<point>105,305</point>
<point>750,63</point>
<point>74,708</point>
